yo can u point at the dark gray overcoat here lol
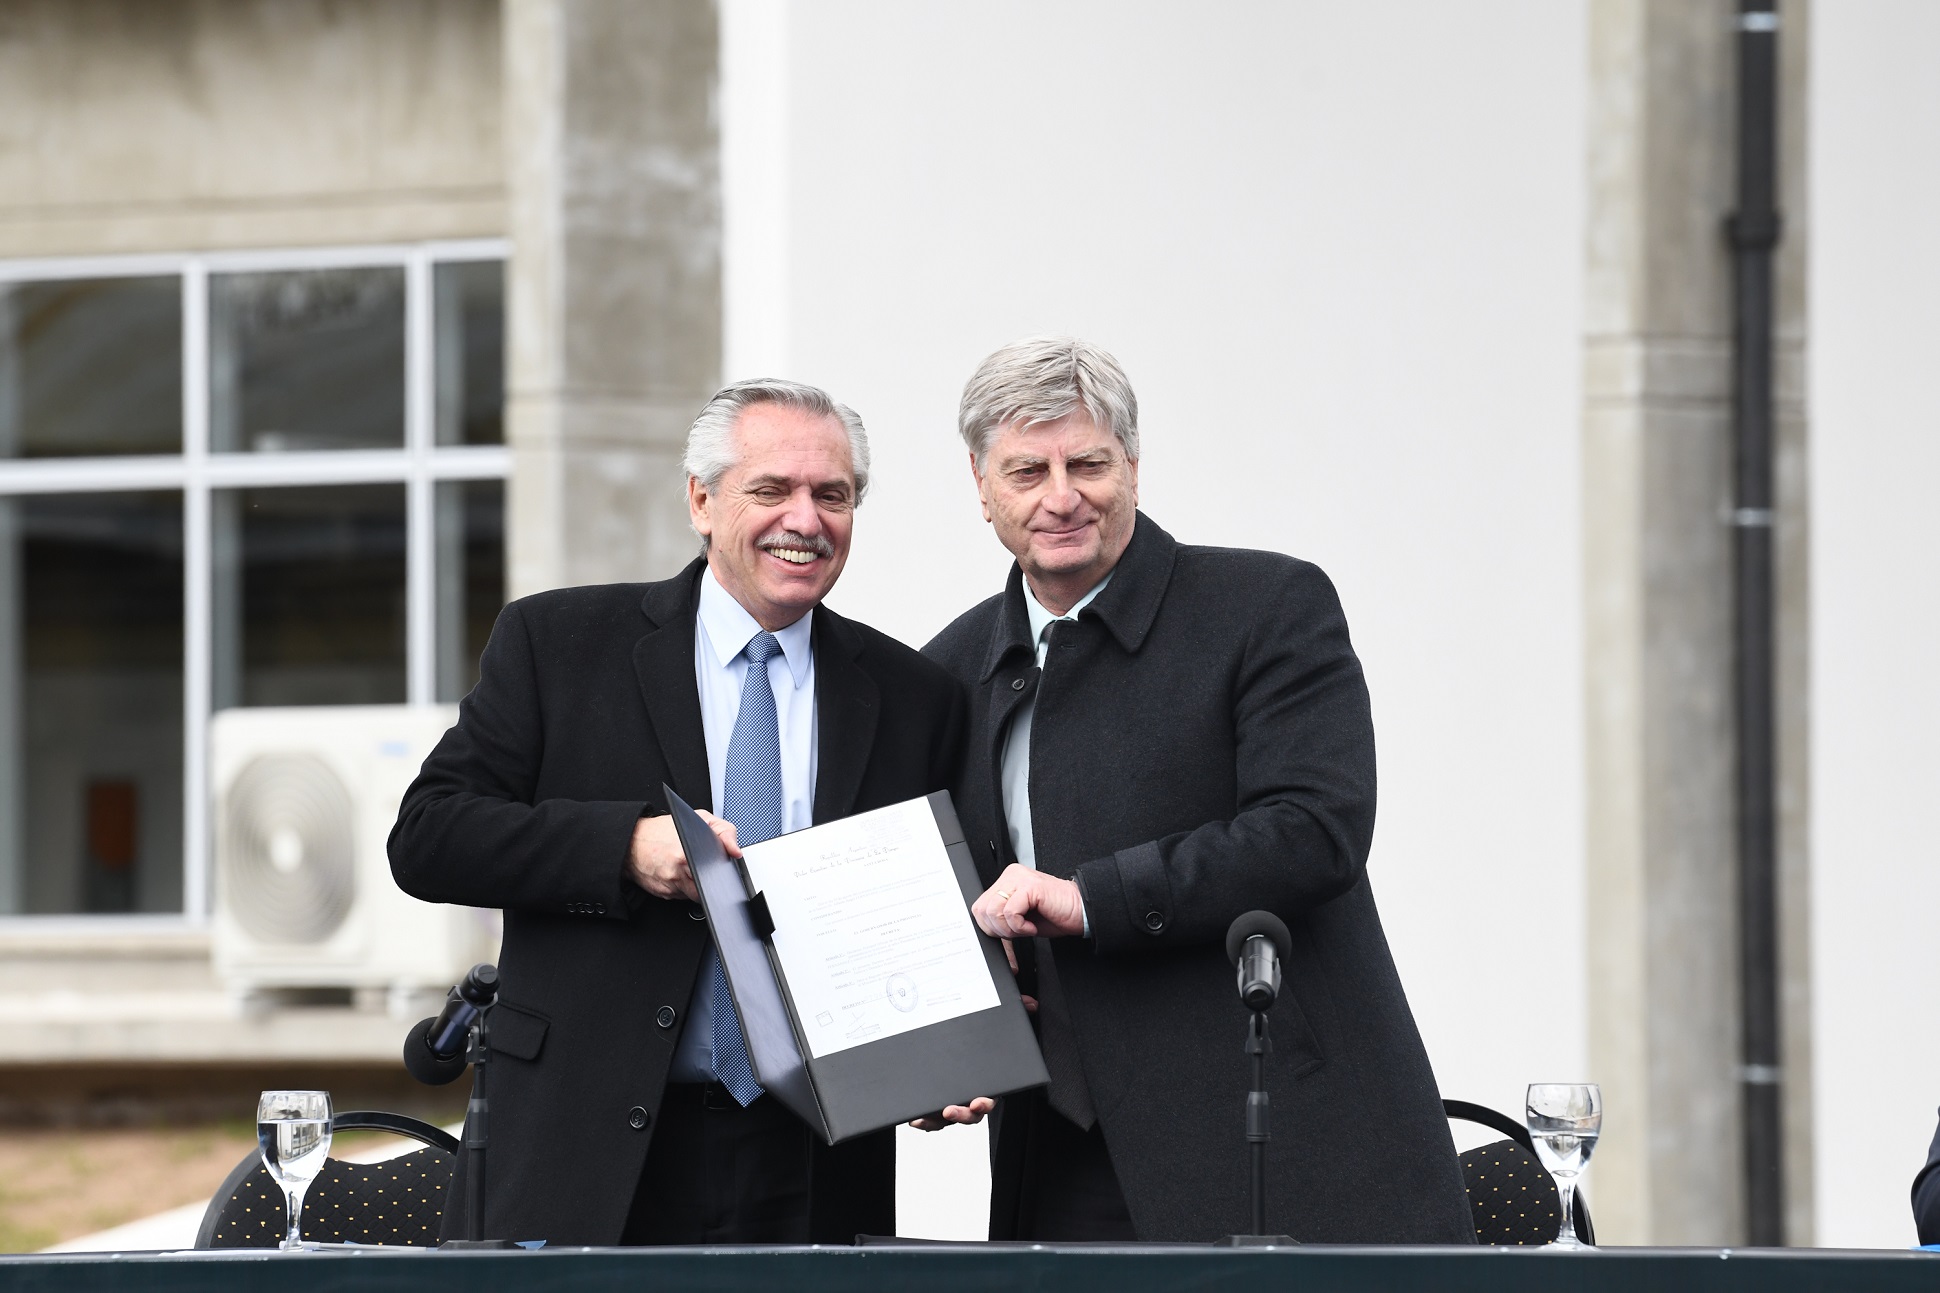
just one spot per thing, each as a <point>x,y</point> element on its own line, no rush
<point>1202,747</point>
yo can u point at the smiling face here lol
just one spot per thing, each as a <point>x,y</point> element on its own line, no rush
<point>1062,497</point>
<point>778,521</point>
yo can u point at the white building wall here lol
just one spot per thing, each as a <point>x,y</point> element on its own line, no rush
<point>1875,462</point>
<point>1338,249</point>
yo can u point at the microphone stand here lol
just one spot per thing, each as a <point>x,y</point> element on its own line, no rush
<point>477,1138</point>
<point>1256,944</point>
<point>1258,1043</point>
<point>477,1129</point>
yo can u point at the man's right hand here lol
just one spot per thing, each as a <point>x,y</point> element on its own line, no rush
<point>658,864</point>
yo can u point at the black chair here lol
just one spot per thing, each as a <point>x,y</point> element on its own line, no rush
<point>398,1201</point>
<point>1512,1196</point>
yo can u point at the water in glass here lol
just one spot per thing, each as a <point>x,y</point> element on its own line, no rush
<point>293,1133</point>
<point>1564,1153</point>
<point>1564,1119</point>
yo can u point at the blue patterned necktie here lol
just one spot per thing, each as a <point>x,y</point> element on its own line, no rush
<point>751,799</point>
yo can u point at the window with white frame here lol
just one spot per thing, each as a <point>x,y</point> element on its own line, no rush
<point>263,478</point>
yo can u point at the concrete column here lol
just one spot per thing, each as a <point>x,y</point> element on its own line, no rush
<point>13,725</point>
<point>1793,532</point>
<point>1657,455</point>
<point>614,310</point>
<point>13,712</point>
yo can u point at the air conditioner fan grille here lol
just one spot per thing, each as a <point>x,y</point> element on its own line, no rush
<point>289,868</point>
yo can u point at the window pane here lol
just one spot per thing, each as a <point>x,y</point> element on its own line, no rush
<point>307,360</point>
<point>471,352</point>
<point>91,366</point>
<point>471,578</point>
<point>309,595</point>
<point>91,703</point>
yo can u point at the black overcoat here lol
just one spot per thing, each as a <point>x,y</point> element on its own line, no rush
<point>586,703</point>
<point>1926,1196</point>
<point>1202,747</point>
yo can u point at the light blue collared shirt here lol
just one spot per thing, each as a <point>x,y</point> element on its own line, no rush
<point>722,630</point>
<point>1017,745</point>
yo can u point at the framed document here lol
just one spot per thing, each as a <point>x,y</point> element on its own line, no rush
<point>867,994</point>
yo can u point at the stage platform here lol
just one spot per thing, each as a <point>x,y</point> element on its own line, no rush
<point>974,1268</point>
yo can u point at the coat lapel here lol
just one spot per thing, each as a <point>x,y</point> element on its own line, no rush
<point>847,703</point>
<point>1131,600</point>
<point>663,661</point>
<point>1003,702</point>
<point>1012,629</point>
<point>1009,659</point>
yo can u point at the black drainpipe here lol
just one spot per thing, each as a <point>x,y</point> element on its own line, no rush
<point>1753,232</point>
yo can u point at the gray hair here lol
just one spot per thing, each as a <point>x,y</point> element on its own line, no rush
<point>710,441</point>
<point>1042,379</point>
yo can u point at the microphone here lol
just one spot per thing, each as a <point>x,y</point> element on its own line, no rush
<point>1256,944</point>
<point>434,1050</point>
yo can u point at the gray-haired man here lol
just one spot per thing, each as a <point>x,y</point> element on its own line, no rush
<point>625,1109</point>
<point>1164,737</point>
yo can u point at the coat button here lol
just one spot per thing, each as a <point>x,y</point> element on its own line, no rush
<point>696,912</point>
<point>665,1016</point>
<point>1155,921</point>
<point>1017,684</point>
<point>637,1118</point>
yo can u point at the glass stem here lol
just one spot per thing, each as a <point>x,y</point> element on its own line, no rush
<point>294,1239</point>
<point>1566,1197</point>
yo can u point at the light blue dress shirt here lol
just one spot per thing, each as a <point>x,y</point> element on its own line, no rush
<point>1017,745</point>
<point>722,630</point>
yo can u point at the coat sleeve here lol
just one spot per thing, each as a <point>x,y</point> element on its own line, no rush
<point>1926,1196</point>
<point>1304,781</point>
<point>468,830</point>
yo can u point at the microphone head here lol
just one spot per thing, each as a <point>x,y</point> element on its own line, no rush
<point>1258,922</point>
<point>481,985</point>
<point>423,1063</point>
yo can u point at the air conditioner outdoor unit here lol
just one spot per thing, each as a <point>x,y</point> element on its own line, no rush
<point>304,801</point>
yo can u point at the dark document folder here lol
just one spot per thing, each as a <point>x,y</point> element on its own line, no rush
<point>862,1085</point>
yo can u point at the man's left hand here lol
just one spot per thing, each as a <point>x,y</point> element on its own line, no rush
<point>1025,903</point>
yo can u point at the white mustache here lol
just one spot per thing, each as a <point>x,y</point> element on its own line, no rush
<point>818,544</point>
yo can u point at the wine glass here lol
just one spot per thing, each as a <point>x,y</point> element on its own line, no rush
<point>293,1132</point>
<point>1564,1119</point>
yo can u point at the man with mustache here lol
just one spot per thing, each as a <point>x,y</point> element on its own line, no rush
<point>1162,738</point>
<point>625,1109</point>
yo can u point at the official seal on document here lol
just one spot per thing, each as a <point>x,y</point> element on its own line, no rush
<point>901,990</point>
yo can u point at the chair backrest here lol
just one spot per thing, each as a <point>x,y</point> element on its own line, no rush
<point>397,1201</point>
<point>1501,1173</point>
<point>1511,1197</point>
